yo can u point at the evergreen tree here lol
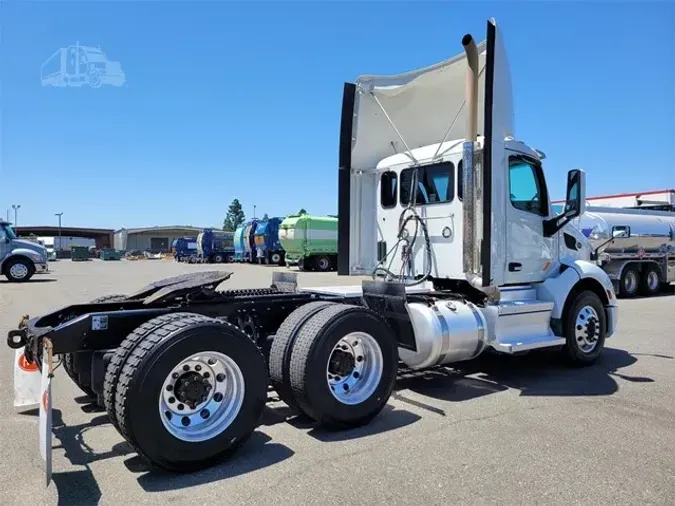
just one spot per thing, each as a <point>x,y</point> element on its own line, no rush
<point>235,216</point>
<point>302,211</point>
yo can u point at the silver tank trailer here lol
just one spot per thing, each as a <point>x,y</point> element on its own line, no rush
<point>653,231</point>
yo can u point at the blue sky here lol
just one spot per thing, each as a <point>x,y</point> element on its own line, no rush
<point>226,99</point>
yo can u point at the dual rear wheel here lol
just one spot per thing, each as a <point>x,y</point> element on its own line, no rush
<point>336,363</point>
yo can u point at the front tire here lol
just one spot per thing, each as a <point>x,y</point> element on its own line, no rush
<point>19,270</point>
<point>191,393</point>
<point>585,329</point>
<point>343,366</point>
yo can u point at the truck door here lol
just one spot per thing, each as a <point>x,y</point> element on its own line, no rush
<point>4,246</point>
<point>529,254</point>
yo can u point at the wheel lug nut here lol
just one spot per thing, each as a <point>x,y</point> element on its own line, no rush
<point>207,374</point>
<point>359,358</point>
<point>205,413</point>
<point>198,368</point>
<point>172,400</point>
<point>180,407</point>
<point>175,375</point>
<point>345,386</point>
<point>344,347</point>
<point>169,388</point>
<point>212,361</point>
<point>186,367</point>
<point>185,421</point>
<point>218,397</point>
<point>356,374</point>
<point>220,377</point>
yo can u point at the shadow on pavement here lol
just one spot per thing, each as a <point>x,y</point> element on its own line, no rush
<point>30,282</point>
<point>80,487</point>
<point>535,374</point>
<point>257,453</point>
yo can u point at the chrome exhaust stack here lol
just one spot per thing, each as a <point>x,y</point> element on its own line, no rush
<point>471,180</point>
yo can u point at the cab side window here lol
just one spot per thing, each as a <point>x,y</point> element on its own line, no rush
<point>388,187</point>
<point>527,188</point>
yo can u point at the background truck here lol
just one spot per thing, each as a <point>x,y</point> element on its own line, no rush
<point>239,240</point>
<point>310,242</point>
<point>79,65</point>
<point>249,240</point>
<point>641,260</point>
<point>184,248</point>
<point>215,246</point>
<point>183,368</point>
<point>266,238</point>
<point>655,200</point>
<point>20,259</point>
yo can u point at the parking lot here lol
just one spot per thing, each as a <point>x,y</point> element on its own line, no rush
<point>524,430</point>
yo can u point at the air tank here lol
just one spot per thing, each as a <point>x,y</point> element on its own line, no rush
<point>651,231</point>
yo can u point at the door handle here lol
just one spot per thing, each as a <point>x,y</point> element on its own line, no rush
<point>515,267</point>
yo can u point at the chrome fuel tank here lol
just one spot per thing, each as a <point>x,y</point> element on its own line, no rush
<point>445,332</point>
<point>651,231</point>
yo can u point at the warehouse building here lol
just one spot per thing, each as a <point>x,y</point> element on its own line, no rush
<point>152,239</point>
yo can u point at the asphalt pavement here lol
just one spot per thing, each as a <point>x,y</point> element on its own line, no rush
<point>500,430</point>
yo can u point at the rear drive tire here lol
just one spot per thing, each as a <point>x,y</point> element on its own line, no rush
<point>585,328</point>
<point>191,393</point>
<point>276,258</point>
<point>630,281</point>
<point>343,366</point>
<point>218,259</point>
<point>650,281</point>
<point>126,348</point>
<point>282,346</point>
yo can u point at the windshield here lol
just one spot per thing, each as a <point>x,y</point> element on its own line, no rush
<point>9,233</point>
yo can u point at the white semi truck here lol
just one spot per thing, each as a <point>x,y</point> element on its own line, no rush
<point>183,369</point>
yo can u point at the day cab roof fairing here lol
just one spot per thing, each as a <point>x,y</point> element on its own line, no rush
<point>385,115</point>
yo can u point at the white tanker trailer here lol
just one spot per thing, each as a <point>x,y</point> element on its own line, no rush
<point>636,248</point>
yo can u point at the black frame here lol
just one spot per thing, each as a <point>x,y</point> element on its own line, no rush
<point>396,189</point>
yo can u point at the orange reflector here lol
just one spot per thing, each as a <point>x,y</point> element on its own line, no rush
<point>546,265</point>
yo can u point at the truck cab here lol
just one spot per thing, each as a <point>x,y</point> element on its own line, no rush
<point>20,259</point>
<point>436,190</point>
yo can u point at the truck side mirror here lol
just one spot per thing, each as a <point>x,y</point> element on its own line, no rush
<point>575,202</point>
<point>620,232</point>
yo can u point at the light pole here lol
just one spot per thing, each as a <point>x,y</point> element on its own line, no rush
<point>59,215</point>
<point>254,211</point>
<point>16,208</point>
<point>7,214</point>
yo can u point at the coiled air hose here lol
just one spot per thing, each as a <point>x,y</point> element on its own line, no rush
<point>408,242</point>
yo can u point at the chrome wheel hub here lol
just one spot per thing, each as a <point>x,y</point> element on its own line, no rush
<point>354,368</point>
<point>18,271</point>
<point>631,282</point>
<point>201,396</point>
<point>652,280</point>
<point>587,329</point>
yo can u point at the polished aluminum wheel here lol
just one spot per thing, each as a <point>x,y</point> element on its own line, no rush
<point>587,329</point>
<point>653,280</point>
<point>201,396</point>
<point>355,368</point>
<point>18,271</point>
<point>631,282</point>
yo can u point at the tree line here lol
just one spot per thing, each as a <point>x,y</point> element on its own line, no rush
<point>235,216</point>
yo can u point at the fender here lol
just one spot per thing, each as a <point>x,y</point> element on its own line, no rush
<point>22,252</point>
<point>573,276</point>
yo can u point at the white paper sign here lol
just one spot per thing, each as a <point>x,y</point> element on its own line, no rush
<point>45,424</point>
